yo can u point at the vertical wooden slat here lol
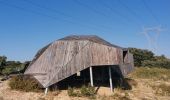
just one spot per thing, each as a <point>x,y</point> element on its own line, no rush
<point>64,58</point>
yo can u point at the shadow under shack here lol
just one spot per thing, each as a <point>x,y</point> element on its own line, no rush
<point>100,79</point>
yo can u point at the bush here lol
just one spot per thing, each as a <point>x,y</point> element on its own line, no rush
<point>141,55</point>
<point>72,92</point>
<point>146,58</point>
<point>24,83</point>
<point>86,91</point>
<point>12,67</point>
<point>2,62</point>
<point>7,70</point>
<point>157,63</point>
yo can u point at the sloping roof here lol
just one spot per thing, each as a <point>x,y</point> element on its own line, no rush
<point>38,54</point>
<point>92,38</point>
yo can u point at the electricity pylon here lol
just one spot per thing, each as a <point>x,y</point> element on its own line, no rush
<point>152,35</point>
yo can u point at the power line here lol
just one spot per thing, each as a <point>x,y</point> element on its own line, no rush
<point>32,11</point>
<point>96,11</point>
<point>93,9</point>
<point>57,11</point>
<point>48,8</point>
<point>114,11</point>
<point>89,7</point>
<point>131,11</point>
<point>150,10</point>
<point>46,15</point>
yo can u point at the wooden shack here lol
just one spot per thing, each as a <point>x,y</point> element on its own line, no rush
<point>73,54</point>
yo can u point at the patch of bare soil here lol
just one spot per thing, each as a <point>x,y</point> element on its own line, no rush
<point>142,91</point>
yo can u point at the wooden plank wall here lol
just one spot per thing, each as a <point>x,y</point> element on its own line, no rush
<point>128,65</point>
<point>59,53</point>
<point>65,58</point>
<point>92,54</point>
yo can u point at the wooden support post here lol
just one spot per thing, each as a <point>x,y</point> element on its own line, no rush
<point>46,90</point>
<point>91,76</point>
<point>110,79</point>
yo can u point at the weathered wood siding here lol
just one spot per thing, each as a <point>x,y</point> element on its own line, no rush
<point>103,55</point>
<point>53,59</point>
<point>64,58</point>
<point>85,58</point>
<point>128,65</point>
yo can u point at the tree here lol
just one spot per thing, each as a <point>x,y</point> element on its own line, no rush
<point>141,55</point>
<point>2,62</point>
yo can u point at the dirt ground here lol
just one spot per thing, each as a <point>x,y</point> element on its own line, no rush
<point>142,91</point>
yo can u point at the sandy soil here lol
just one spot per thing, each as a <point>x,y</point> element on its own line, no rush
<point>140,92</point>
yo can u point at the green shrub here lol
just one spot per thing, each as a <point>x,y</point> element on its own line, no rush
<point>157,63</point>
<point>141,55</point>
<point>87,90</point>
<point>7,70</point>
<point>73,92</point>
<point>70,91</point>
<point>24,83</point>
<point>146,58</point>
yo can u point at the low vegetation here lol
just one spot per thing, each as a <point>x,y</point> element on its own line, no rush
<point>24,83</point>
<point>151,73</point>
<point>146,58</point>
<point>84,91</point>
<point>12,67</point>
<point>73,92</point>
<point>87,90</point>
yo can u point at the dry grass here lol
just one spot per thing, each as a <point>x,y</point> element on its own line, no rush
<point>84,91</point>
<point>162,89</point>
<point>115,96</point>
<point>151,73</point>
<point>131,82</point>
<point>24,83</point>
<point>146,85</point>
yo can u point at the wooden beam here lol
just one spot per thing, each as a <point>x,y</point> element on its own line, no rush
<point>91,76</point>
<point>110,79</point>
<point>46,91</point>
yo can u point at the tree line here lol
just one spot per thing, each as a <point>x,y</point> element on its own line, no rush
<point>146,58</point>
<point>11,67</point>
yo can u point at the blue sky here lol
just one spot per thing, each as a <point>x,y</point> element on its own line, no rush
<point>28,25</point>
